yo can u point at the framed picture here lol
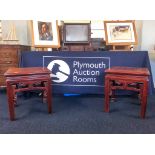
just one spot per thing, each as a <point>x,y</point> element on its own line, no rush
<point>120,32</point>
<point>45,34</point>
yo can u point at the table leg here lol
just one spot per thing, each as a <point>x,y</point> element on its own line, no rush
<point>107,95</point>
<point>10,101</point>
<point>144,99</point>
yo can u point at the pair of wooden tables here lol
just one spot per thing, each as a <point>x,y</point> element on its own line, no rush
<point>37,78</point>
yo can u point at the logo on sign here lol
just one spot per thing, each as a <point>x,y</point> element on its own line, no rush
<point>60,70</point>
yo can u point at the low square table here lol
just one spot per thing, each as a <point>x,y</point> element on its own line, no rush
<point>127,78</point>
<point>26,79</point>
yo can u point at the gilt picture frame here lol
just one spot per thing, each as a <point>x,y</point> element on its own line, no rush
<point>45,34</point>
<point>120,32</point>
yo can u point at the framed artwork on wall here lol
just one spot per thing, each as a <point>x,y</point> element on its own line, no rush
<point>120,32</point>
<point>45,34</point>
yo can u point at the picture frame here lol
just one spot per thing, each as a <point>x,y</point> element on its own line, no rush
<point>120,32</point>
<point>45,34</point>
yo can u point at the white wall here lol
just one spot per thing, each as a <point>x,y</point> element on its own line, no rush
<point>138,24</point>
<point>148,35</point>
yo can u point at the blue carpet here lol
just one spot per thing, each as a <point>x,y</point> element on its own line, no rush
<point>77,114</point>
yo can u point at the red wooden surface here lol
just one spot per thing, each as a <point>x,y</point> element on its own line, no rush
<point>25,79</point>
<point>128,71</point>
<point>127,78</point>
<point>26,71</point>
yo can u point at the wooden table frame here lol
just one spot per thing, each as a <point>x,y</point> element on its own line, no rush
<point>34,78</point>
<point>127,78</point>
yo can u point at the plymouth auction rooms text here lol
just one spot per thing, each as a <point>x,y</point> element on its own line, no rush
<point>87,72</point>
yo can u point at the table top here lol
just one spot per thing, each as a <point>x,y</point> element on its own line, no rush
<point>128,71</point>
<point>26,71</point>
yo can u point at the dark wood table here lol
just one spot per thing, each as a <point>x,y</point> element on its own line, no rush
<point>127,78</point>
<point>25,79</point>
